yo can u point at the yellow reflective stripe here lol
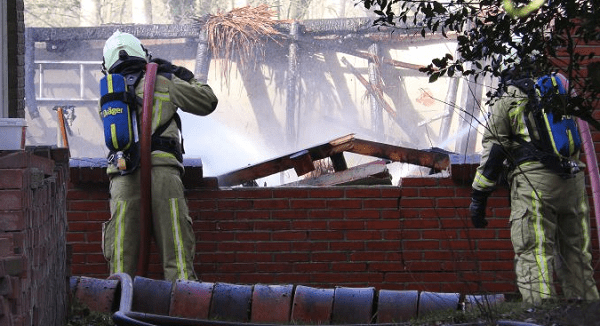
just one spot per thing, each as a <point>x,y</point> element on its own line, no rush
<point>482,181</point>
<point>109,83</point>
<point>554,83</point>
<point>178,239</point>
<point>159,99</point>
<point>113,127</point>
<point>517,118</point>
<point>540,240</point>
<point>548,127</point>
<point>113,135</point>
<point>585,227</point>
<point>571,142</point>
<point>163,154</point>
<point>162,96</point>
<point>118,242</point>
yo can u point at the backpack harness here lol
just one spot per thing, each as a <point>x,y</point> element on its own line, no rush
<point>558,136</point>
<point>118,111</point>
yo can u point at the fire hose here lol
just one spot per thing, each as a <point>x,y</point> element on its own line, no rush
<point>146,170</point>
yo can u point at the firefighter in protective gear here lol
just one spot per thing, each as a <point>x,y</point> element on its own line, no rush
<point>549,217</point>
<point>175,87</point>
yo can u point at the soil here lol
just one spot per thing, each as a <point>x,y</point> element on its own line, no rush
<point>563,314</point>
<point>549,314</point>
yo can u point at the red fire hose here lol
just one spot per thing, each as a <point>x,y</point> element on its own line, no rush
<point>146,170</point>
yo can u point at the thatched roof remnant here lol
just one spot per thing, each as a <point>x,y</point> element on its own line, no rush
<point>241,34</point>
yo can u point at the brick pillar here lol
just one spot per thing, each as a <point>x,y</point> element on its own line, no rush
<point>33,225</point>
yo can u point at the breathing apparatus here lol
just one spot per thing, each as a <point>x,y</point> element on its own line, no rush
<point>124,61</point>
<point>558,134</point>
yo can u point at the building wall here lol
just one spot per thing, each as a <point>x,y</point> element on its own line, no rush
<point>33,226</point>
<point>16,59</point>
<point>416,236</point>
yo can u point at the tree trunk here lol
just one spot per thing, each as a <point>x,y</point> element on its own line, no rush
<point>340,8</point>
<point>374,80</point>
<point>472,93</point>
<point>90,13</point>
<point>141,11</point>
<point>292,87</point>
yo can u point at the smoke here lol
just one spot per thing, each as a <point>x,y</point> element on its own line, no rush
<point>220,147</point>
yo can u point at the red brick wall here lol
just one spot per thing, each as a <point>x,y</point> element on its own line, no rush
<point>33,225</point>
<point>416,236</point>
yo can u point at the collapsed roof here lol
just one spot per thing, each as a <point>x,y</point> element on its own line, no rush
<point>303,162</point>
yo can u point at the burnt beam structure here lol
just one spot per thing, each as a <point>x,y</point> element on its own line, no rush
<point>334,150</point>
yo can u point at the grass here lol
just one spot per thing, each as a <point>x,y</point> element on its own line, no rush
<point>81,315</point>
<point>564,313</point>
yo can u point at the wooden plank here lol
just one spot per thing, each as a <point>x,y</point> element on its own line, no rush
<point>366,174</point>
<point>435,160</point>
<point>339,162</point>
<point>303,163</point>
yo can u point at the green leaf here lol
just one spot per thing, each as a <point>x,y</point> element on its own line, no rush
<point>434,77</point>
<point>439,8</point>
<point>451,71</point>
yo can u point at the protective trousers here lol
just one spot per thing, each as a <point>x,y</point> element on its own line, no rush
<point>550,218</point>
<point>171,224</point>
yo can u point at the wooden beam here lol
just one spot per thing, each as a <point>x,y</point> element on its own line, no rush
<point>303,163</point>
<point>339,162</point>
<point>376,93</point>
<point>389,61</point>
<point>346,27</point>
<point>434,160</point>
<point>286,162</point>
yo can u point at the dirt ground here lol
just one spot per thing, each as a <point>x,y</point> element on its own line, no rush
<point>549,314</point>
<point>555,314</point>
<point>563,314</point>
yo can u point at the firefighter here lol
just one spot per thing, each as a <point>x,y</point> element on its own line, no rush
<point>528,136</point>
<point>175,87</point>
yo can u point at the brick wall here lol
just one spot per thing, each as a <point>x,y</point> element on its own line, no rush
<point>416,236</point>
<point>33,225</point>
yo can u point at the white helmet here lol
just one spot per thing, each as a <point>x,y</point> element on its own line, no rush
<point>122,41</point>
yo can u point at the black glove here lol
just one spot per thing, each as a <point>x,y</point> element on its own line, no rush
<point>165,66</point>
<point>477,208</point>
<point>183,73</point>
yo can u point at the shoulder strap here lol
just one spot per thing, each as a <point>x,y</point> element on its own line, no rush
<point>164,127</point>
<point>159,142</point>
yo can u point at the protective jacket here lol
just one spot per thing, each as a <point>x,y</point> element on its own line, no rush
<point>549,218</point>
